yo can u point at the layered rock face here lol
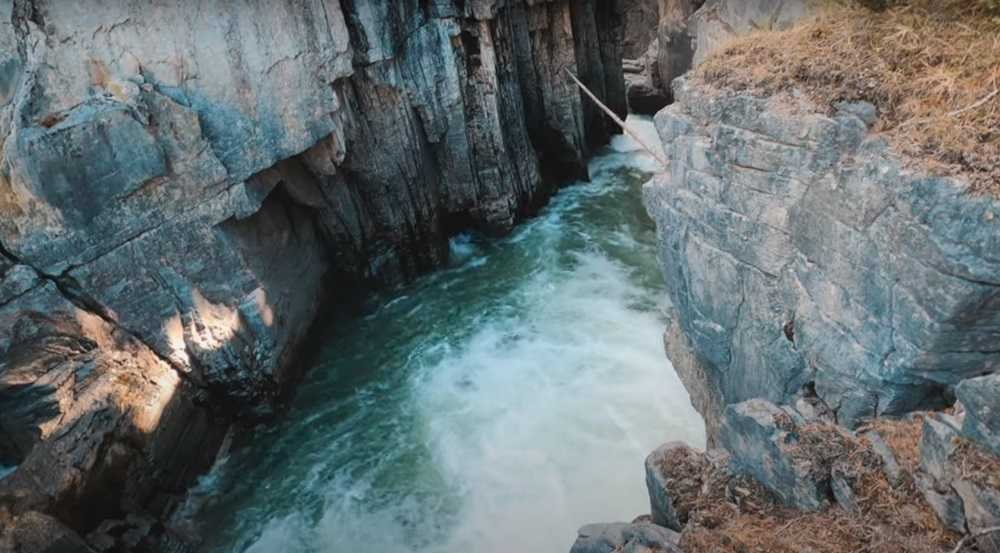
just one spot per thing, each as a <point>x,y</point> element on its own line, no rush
<point>199,187</point>
<point>802,258</point>
<point>199,181</point>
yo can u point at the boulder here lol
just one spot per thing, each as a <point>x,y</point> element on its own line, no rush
<point>981,399</point>
<point>673,474</point>
<point>959,478</point>
<point>644,98</point>
<point>621,537</point>
<point>938,444</point>
<point>980,504</point>
<point>764,443</point>
<point>890,466</point>
<point>943,500</point>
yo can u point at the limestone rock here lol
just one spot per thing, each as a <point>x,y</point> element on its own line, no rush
<point>761,438</point>
<point>226,193</point>
<point>890,466</point>
<point>675,43</point>
<point>100,421</point>
<point>947,505</point>
<point>959,480</point>
<point>981,399</point>
<point>622,537</point>
<point>799,254</point>
<point>720,20</point>
<point>981,505</point>
<point>181,191</point>
<point>673,471</point>
<point>642,84</point>
<point>938,443</point>
<point>641,18</point>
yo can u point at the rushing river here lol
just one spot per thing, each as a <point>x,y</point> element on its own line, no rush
<point>494,406</point>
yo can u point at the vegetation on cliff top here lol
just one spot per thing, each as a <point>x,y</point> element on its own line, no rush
<point>932,67</point>
<point>889,518</point>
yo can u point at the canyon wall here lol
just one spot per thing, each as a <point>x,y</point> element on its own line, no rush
<point>803,258</point>
<point>184,187</point>
<point>833,313</point>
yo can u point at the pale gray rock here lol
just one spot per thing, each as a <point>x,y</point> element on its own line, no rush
<point>963,500</point>
<point>761,438</point>
<point>981,505</point>
<point>799,254</point>
<point>623,537</point>
<point>947,505</point>
<point>842,485</point>
<point>981,399</point>
<point>720,20</point>
<point>890,466</point>
<point>641,19</point>
<point>672,469</point>
<point>938,442</point>
<point>675,43</point>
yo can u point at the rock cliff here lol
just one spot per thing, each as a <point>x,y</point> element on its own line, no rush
<point>832,306</point>
<point>803,259</point>
<point>183,188</point>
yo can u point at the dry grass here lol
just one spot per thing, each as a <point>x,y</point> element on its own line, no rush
<point>903,438</point>
<point>738,516</point>
<point>976,465</point>
<point>932,67</point>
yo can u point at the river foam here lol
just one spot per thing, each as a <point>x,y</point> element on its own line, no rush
<point>495,406</point>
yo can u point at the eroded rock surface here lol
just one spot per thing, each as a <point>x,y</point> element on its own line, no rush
<point>625,538</point>
<point>235,174</point>
<point>800,254</point>
<point>182,189</point>
<point>720,20</point>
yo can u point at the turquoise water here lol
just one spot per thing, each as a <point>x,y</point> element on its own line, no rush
<point>494,406</point>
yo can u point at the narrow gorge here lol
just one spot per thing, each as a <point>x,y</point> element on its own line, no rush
<point>377,275</point>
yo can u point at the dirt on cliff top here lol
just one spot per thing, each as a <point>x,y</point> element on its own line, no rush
<point>931,67</point>
<point>890,519</point>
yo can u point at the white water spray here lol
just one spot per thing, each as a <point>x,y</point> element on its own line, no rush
<point>512,398</point>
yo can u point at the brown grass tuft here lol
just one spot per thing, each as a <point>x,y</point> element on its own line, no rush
<point>891,519</point>
<point>903,438</point>
<point>932,67</point>
<point>976,465</point>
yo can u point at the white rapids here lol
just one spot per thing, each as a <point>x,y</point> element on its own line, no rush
<point>495,406</point>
